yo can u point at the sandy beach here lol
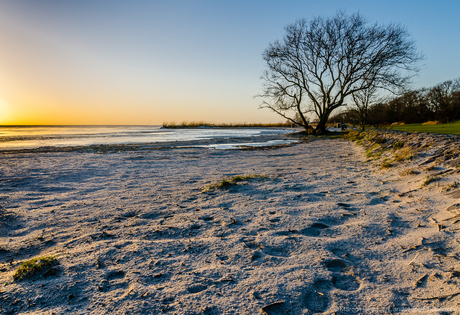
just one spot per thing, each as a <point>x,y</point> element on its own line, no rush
<point>320,231</point>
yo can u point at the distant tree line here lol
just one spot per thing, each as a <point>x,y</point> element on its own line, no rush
<point>439,103</point>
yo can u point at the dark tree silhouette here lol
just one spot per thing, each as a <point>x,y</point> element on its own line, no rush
<point>319,63</point>
<point>439,100</point>
<point>363,99</point>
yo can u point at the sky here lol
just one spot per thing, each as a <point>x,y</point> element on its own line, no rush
<point>145,62</point>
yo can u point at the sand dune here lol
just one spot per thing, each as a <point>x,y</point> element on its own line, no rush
<point>322,232</point>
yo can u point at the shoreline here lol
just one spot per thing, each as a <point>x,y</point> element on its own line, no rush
<point>134,232</point>
<point>159,145</point>
<point>132,139</point>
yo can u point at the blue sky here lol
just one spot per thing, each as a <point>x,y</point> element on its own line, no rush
<point>148,62</point>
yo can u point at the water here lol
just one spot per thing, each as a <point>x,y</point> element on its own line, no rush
<point>32,137</point>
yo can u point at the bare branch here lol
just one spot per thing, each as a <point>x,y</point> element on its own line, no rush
<point>330,59</point>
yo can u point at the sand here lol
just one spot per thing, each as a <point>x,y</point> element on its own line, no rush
<point>321,232</point>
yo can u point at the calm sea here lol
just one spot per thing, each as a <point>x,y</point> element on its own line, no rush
<point>31,137</point>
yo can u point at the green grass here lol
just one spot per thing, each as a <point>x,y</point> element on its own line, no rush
<point>229,182</point>
<point>34,266</point>
<point>354,135</point>
<point>450,128</point>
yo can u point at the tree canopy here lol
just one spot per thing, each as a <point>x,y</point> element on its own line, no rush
<point>321,62</point>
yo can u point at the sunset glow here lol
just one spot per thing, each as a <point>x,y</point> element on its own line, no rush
<point>149,62</point>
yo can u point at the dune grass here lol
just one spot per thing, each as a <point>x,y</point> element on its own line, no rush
<point>34,266</point>
<point>378,146</point>
<point>450,128</point>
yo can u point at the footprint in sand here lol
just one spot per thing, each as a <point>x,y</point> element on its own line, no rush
<point>339,251</point>
<point>250,243</point>
<point>345,282</point>
<point>114,279</point>
<point>256,255</point>
<point>197,287</point>
<point>314,229</point>
<point>115,274</point>
<point>335,265</point>
<point>276,308</point>
<point>317,299</point>
<point>279,251</point>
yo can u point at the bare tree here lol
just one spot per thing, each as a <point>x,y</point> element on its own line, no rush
<point>362,100</point>
<point>438,98</point>
<point>319,63</point>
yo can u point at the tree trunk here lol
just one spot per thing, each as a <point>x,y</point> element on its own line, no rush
<point>321,126</point>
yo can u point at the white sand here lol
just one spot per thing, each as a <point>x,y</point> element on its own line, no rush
<point>133,233</point>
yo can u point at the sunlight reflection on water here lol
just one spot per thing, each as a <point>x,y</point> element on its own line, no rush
<point>27,137</point>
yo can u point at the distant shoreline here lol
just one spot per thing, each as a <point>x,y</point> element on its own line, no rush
<point>165,125</point>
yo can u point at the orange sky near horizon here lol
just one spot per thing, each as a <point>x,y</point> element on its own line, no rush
<point>89,64</point>
<point>147,62</point>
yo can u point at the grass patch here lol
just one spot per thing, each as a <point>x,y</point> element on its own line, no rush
<point>450,187</point>
<point>379,140</point>
<point>354,135</point>
<point>34,266</point>
<point>398,145</point>
<point>408,172</point>
<point>386,164</point>
<point>380,145</point>
<point>226,183</point>
<point>374,152</point>
<point>430,179</point>
<point>450,128</point>
<point>403,154</point>
<point>431,168</point>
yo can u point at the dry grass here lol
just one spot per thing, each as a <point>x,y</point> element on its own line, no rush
<point>405,153</point>
<point>386,164</point>
<point>450,187</point>
<point>378,146</point>
<point>430,179</point>
<point>408,172</point>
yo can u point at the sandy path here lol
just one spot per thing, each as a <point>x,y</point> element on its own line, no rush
<point>134,234</point>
